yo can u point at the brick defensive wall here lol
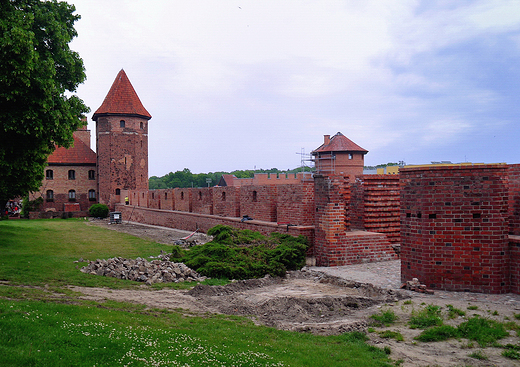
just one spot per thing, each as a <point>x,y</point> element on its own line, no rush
<point>454,227</point>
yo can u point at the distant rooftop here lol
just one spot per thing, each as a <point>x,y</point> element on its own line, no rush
<point>338,143</point>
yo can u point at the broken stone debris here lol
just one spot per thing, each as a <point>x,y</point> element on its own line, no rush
<point>416,286</point>
<point>160,270</point>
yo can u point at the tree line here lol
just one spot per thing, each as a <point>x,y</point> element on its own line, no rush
<point>186,178</point>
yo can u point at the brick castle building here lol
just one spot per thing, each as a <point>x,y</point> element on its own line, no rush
<point>454,226</point>
<point>77,177</point>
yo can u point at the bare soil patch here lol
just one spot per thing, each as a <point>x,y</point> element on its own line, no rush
<point>312,301</point>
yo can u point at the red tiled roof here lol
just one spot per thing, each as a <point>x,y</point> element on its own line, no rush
<point>79,153</point>
<point>340,143</point>
<point>122,100</point>
<point>227,180</point>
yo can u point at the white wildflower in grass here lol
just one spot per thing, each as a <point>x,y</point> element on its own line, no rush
<point>145,346</point>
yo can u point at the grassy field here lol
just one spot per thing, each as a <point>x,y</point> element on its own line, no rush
<point>44,324</point>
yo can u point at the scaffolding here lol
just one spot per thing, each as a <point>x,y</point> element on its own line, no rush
<point>325,164</point>
<point>306,164</point>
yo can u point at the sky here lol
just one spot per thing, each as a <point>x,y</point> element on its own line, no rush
<point>235,85</point>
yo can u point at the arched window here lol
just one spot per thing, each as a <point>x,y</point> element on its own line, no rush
<point>223,196</point>
<point>122,123</point>
<point>49,174</point>
<point>165,195</point>
<point>254,196</point>
<point>91,174</point>
<point>72,195</point>
<point>141,125</point>
<point>118,191</point>
<point>49,195</point>
<point>92,195</point>
<point>72,174</point>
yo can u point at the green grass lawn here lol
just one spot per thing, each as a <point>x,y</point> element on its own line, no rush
<point>37,328</point>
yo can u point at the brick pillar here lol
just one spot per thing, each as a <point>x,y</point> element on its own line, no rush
<point>331,196</point>
<point>454,225</point>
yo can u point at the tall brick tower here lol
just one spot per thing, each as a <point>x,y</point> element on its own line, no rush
<point>122,142</point>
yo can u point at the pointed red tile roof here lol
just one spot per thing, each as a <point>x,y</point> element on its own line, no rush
<point>339,143</point>
<point>122,100</point>
<point>80,153</point>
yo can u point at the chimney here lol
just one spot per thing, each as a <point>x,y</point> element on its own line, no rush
<point>326,139</point>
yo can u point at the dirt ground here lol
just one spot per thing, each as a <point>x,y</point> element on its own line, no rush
<point>312,301</point>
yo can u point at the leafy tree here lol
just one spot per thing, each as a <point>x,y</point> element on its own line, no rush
<point>185,178</point>
<point>38,71</point>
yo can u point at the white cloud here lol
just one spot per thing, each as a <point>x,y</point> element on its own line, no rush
<point>269,77</point>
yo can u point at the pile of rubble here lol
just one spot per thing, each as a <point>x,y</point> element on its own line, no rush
<point>160,270</point>
<point>416,286</point>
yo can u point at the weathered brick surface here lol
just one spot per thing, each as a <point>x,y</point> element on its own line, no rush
<point>61,185</point>
<point>375,205</point>
<point>122,155</point>
<point>259,202</point>
<point>514,199</point>
<point>202,200</point>
<point>334,243</point>
<point>295,204</point>
<point>202,222</point>
<point>514,264</point>
<point>226,201</point>
<point>182,199</point>
<point>454,227</point>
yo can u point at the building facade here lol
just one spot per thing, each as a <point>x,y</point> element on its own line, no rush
<point>78,177</point>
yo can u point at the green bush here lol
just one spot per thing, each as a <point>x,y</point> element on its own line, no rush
<point>30,205</point>
<point>98,211</point>
<point>244,254</point>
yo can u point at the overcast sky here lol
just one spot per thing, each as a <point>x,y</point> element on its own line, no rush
<point>244,84</point>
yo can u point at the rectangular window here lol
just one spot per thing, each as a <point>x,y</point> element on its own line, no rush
<point>91,195</point>
<point>72,195</point>
<point>49,195</point>
<point>72,174</point>
<point>91,174</point>
<point>49,174</point>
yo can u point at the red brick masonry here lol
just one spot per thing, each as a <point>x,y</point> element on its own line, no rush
<point>454,227</point>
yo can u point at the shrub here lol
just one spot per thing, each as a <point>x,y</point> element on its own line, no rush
<point>30,205</point>
<point>244,254</point>
<point>98,211</point>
